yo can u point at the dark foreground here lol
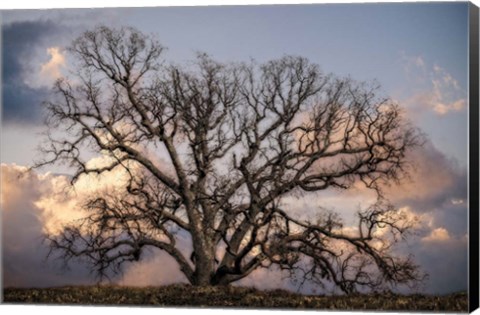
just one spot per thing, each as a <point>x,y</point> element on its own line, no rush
<point>184,295</point>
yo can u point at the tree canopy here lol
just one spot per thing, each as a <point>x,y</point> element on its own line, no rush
<point>212,150</point>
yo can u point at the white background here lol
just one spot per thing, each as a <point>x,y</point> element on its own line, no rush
<point>74,310</point>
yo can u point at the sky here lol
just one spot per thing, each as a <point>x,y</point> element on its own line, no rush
<point>417,52</point>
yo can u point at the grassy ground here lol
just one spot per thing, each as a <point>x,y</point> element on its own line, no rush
<point>184,295</point>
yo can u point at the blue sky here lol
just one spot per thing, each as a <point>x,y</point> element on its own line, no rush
<point>416,51</point>
<point>366,42</point>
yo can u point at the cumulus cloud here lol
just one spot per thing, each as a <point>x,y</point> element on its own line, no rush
<point>33,204</point>
<point>435,193</point>
<point>434,181</point>
<point>48,72</point>
<point>21,40</point>
<point>24,253</point>
<point>32,57</point>
<point>437,235</point>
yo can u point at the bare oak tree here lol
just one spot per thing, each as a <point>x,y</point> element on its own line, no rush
<point>214,150</point>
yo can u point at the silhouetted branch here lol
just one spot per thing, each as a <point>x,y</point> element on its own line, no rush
<point>236,139</point>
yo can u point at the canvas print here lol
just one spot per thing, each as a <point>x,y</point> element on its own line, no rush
<point>277,156</point>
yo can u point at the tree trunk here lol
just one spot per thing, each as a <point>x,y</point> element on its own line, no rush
<point>204,262</point>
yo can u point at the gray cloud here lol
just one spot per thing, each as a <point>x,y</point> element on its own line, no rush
<point>20,42</point>
<point>24,254</point>
<point>434,181</point>
<point>26,35</point>
<point>446,264</point>
<point>437,193</point>
<point>22,104</point>
<point>32,203</point>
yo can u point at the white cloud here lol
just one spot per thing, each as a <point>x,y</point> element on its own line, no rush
<point>23,259</point>
<point>45,74</point>
<point>436,89</point>
<point>52,68</point>
<point>437,235</point>
<point>37,202</point>
<point>457,201</point>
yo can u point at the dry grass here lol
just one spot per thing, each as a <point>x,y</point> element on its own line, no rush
<point>185,295</point>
